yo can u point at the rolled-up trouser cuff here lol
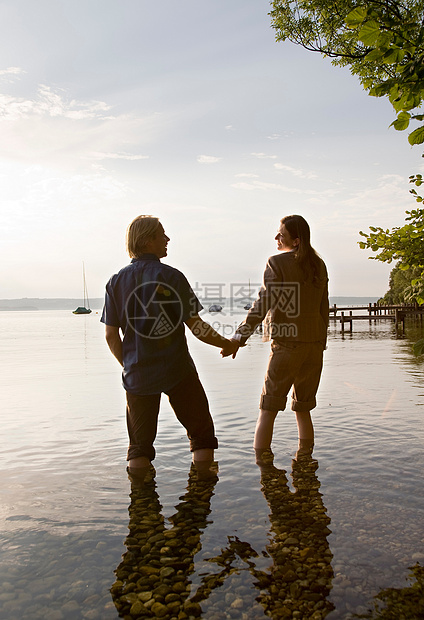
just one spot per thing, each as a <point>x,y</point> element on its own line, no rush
<point>202,443</point>
<point>300,406</point>
<point>134,452</point>
<point>272,403</point>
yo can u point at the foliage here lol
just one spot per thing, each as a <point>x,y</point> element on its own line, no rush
<point>400,603</point>
<point>400,289</point>
<point>419,347</point>
<point>405,244</point>
<point>382,42</point>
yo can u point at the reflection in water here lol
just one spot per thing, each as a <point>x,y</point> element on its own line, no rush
<point>153,577</point>
<point>397,603</point>
<point>300,577</point>
<point>299,580</point>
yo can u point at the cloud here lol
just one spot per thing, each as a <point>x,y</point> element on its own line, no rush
<point>274,136</point>
<point>389,197</point>
<point>208,159</point>
<point>50,103</point>
<point>264,186</point>
<point>230,127</point>
<point>53,128</point>
<point>11,74</point>
<point>297,172</point>
<point>126,156</point>
<point>261,185</point>
<point>381,204</point>
<point>66,190</point>
<point>249,175</point>
<point>263,156</point>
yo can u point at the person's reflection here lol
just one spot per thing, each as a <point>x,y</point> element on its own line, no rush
<point>300,577</point>
<point>153,577</point>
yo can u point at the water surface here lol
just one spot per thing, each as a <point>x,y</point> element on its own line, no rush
<point>67,502</point>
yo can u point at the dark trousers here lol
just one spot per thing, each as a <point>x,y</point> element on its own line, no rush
<point>190,404</point>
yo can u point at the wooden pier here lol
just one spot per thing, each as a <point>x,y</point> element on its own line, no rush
<point>374,313</point>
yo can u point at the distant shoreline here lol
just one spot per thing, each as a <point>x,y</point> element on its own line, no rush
<point>31,304</point>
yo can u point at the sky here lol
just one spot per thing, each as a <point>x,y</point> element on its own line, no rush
<point>192,112</point>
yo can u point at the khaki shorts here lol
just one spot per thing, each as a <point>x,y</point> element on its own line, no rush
<point>297,364</point>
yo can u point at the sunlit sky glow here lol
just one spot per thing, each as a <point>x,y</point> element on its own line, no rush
<point>192,112</point>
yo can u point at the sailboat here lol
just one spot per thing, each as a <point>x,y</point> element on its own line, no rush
<point>85,309</point>
<point>248,305</point>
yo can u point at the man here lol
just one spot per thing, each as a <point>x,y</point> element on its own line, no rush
<point>146,306</point>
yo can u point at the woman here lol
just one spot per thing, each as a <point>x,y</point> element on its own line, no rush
<point>294,297</point>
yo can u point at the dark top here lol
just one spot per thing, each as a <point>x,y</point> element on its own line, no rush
<point>150,302</point>
<point>297,308</point>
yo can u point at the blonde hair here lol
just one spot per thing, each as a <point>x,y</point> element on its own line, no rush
<point>141,230</point>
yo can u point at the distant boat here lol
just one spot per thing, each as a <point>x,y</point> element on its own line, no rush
<point>248,305</point>
<point>215,308</point>
<point>85,309</point>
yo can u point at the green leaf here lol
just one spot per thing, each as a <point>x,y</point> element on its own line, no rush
<point>375,54</point>
<point>402,121</point>
<point>356,17</point>
<point>384,39</point>
<point>393,55</point>
<point>369,33</point>
<point>417,136</point>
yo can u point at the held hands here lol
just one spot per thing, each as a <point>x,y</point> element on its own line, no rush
<point>230,348</point>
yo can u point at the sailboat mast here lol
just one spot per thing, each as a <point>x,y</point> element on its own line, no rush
<point>83,309</point>
<point>85,287</point>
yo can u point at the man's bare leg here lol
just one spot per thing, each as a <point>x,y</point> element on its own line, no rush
<point>264,429</point>
<point>205,466</point>
<point>139,462</point>
<point>204,454</point>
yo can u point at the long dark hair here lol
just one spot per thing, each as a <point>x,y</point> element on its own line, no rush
<point>309,260</point>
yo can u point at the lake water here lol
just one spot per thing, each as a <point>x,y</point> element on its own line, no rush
<point>317,541</point>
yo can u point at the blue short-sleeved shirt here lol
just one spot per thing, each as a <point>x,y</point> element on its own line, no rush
<point>150,302</point>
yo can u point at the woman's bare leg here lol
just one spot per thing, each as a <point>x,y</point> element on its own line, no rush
<point>264,429</point>
<point>304,425</point>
